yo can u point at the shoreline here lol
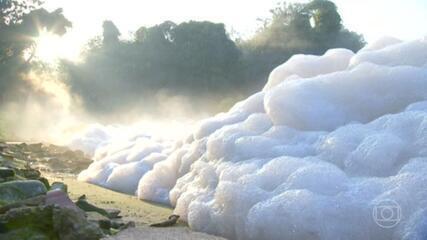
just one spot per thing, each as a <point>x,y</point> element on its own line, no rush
<point>143,213</point>
<point>132,208</point>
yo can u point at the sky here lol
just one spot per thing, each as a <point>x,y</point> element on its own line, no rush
<point>403,19</point>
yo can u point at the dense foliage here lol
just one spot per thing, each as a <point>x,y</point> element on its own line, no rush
<point>310,28</point>
<point>186,58</point>
<point>20,23</point>
<point>199,58</point>
<point>193,59</point>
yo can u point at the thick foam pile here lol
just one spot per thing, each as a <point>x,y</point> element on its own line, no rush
<point>334,147</point>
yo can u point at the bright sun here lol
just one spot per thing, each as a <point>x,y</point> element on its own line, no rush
<point>48,47</point>
<point>51,47</point>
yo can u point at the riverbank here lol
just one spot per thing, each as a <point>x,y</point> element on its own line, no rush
<point>132,209</point>
<point>53,172</point>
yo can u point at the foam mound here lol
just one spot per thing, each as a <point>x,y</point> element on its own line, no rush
<point>334,147</point>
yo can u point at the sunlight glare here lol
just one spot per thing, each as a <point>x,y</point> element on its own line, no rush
<point>50,47</point>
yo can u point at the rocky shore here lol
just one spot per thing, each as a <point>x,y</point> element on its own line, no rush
<point>40,198</point>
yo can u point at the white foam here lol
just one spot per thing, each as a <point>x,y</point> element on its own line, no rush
<point>312,156</point>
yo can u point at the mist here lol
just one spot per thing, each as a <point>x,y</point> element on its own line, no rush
<point>300,131</point>
<point>43,108</point>
<point>166,73</point>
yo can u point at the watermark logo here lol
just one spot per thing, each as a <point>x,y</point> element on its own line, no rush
<point>387,213</point>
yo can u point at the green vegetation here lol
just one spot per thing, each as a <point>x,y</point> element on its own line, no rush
<point>187,58</point>
<point>31,208</point>
<point>20,21</point>
<point>193,59</point>
<point>199,59</point>
<point>310,28</point>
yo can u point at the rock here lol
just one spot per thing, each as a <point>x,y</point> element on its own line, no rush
<point>34,201</point>
<point>147,233</point>
<point>25,220</point>
<point>6,172</point>
<point>95,217</point>
<point>22,145</point>
<point>70,224</point>
<point>122,226</point>
<point>25,233</point>
<point>113,213</point>
<point>29,173</point>
<point>50,222</point>
<point>19,190</point>
<point>59,198</point>
<point>59,186</point>
<point>7,156</point>
<point>3,146</point>
<point>44,181</point>
<point>35,147</point>
<point>108,224</point>
<point>102,221</point>
<point>41,156</point>
<point>83,204</point>
<point>167,223</point>
<point>13,163</point>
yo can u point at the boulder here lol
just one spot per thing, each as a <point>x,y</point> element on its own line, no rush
<point>34,201</point>
<point>70,224</point>
<point>59,198</point>
<point>25,233</point>
<point>20,222</point>
<point>19,190</point>
<point>47,222</point>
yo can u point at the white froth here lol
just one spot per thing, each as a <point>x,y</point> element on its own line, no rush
<point>312,156</point>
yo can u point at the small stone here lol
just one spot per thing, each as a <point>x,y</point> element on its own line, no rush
<point>6,172</point>
<point>167,223</point>
<point>60,186</point>
<point>83,204</point>
<point>36,147</point>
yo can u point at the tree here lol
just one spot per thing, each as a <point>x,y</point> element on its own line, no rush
<point>325,16</point>
<point>188,58</point>
<point>12,11</point>
<point>20,23</point>
<point>111,33</point>
<point>310,28</point>
<point>198,59</point>
<point>205,54</point>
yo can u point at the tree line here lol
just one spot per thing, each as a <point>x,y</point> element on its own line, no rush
<point>197,59</point>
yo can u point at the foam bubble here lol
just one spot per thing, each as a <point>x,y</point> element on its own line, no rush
<point>312,156</point>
